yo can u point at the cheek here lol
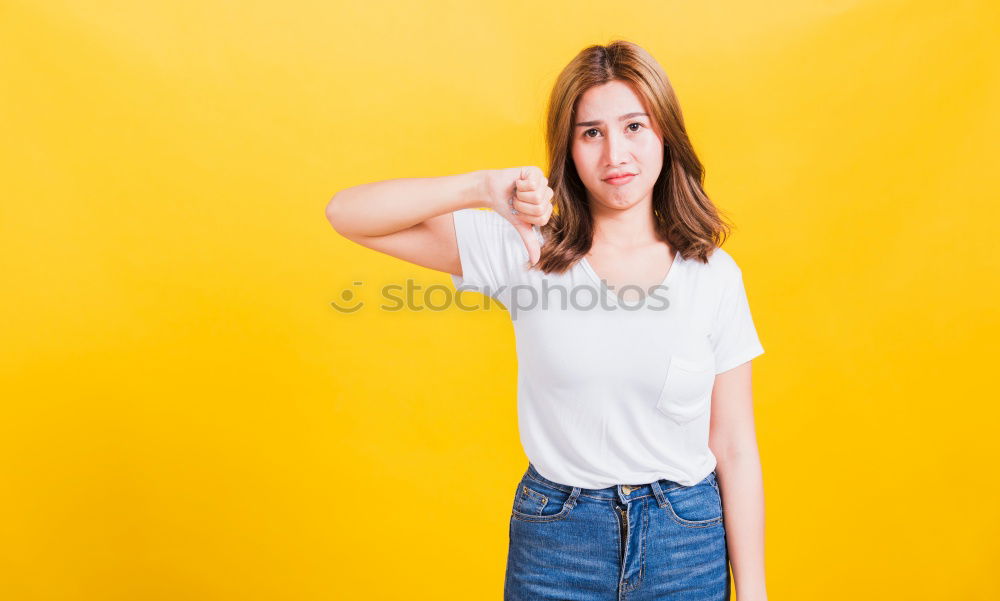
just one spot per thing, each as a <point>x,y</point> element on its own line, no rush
<point>651,147</point>
<point>581,159</point>
<point>652,153</point>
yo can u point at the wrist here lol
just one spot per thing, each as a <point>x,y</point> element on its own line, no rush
<point>474,195</point>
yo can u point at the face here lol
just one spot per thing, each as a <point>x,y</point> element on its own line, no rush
<point>613,135</point>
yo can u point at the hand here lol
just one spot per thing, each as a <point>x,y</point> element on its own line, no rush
<point>532,199</point>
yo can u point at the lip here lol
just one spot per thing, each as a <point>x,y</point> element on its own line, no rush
<point>617,181</point>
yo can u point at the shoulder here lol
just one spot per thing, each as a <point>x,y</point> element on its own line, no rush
<point>490,232</point>
<point>484,222</point>
<point>483,219</point>
<point>721,268</point>
<point>487,222</point>
<point>721,260</point>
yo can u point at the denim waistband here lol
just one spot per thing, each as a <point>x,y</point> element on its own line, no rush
<point>622,492</point>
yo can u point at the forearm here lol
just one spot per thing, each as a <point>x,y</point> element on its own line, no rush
<point>741,483</point>
<point>386,207</point>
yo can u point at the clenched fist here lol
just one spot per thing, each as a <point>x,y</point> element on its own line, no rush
<point>523,197</point>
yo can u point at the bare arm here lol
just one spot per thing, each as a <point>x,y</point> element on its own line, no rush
<point>733,441</point>
<point>411,218</point>
<point>408,218</point>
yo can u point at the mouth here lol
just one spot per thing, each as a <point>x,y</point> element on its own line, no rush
<point>617,181</point>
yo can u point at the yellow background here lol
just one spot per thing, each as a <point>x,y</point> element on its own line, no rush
<point>185,416</point>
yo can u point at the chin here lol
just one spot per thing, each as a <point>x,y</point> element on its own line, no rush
<point>617,203</point>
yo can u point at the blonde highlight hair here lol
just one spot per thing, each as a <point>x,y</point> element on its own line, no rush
<point>684,215</point>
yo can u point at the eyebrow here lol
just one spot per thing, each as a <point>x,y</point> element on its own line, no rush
<point>622,118</point>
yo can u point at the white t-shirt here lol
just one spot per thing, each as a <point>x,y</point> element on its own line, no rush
<point>606,394</point>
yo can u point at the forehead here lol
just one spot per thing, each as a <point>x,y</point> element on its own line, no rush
<point>608,101</point>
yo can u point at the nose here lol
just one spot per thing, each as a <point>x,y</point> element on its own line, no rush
<point>615,149</point>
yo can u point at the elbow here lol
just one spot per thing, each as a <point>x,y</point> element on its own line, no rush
<point>338,219</point>
<point>333,214</point>
<point>738,453</point>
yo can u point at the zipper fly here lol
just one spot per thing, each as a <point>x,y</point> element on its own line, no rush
<point>624,529</point>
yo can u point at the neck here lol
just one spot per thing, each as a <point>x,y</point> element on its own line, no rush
<point>634,227</point>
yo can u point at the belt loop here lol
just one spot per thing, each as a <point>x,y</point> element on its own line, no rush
<point>571,501</point>
<point>661,499</point>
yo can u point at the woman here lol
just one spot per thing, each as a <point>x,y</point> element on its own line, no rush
<point>635,410</point>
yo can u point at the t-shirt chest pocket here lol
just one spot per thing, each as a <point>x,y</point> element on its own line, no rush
<point>687,390</point>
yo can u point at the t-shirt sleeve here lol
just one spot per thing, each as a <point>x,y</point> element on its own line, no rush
<point>734,338</point>
<point>490,250</point>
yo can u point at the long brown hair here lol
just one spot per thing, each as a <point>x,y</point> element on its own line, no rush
<point>685,217</point>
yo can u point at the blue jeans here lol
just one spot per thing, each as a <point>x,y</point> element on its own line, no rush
<point>660,540</point>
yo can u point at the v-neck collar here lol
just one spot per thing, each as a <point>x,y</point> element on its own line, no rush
<point>612,295</point>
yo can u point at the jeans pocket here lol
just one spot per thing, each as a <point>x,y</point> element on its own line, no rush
<point>687,389</point>
<point>537,502</point>
<point>695,506</point>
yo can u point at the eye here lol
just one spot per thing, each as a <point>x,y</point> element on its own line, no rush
<point>641,125</point>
